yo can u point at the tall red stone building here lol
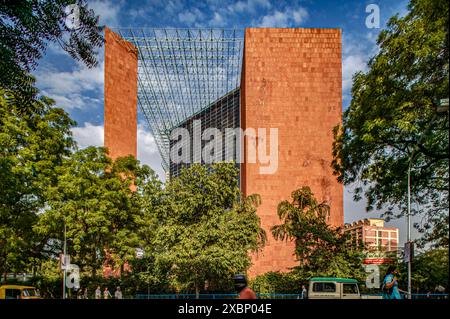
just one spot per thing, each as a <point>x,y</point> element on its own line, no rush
<point>289,79</point>
<point>121,70</point>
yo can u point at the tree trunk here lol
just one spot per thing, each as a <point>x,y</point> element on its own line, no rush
<point>197,290</point>
<point>93,272</point>
<point>93,262</point>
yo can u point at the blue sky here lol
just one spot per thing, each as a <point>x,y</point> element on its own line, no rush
<point>79,90</point>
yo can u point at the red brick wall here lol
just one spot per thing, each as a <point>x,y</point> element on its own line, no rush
<point>120,96</point>
<point>291,80</point>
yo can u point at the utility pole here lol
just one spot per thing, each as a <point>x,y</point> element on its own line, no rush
<point>65,265</point>
<point>408,225</point>
<point>442,108</point>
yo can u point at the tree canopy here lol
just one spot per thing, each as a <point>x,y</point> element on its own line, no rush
<point>205,230</point>
<point>32,146</point>
<point>394,120</point>
<point>321,249</point>
<point>26,29</point>
<point>95,201</point>
<point>429,270</point>
<point>196,228</point>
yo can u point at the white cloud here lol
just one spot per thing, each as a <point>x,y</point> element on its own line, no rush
<point>283,19</point>
<point>137,13</point>
<point>276,19</point>
<point>77,89</point>
<point>299,15</point>
<point>66,82</point>
<point>191,16</point>
<point>356,54</point>
<point>88,135</point>
<point>350,65</point>
<point>147,151</point>
<point>217,20</point>
<point>72,100</point>
<point>249,6</point>
<point>56,48</point>
<point>146,142</point>
<point>172,6</point>
<point>238,7</point>
<point>150,8</point>
<point>108,11</point>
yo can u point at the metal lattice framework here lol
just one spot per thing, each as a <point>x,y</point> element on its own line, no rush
<point>181,72</point>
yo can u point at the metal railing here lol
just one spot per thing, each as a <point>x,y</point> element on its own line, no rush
<point>186,296</point>
<point>428,296</point>
<point>270,296</point>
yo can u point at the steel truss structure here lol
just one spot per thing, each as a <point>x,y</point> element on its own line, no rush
<point>182,72</point>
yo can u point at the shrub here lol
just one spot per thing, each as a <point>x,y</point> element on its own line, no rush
<point>278,282</point>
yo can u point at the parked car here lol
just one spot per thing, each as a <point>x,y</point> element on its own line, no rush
<point>18,292</point>
<point>334,288</point>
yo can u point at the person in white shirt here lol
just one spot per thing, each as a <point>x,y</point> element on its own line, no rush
<point>98,293</point>
<point>304,292</point>
<point>118,293</point>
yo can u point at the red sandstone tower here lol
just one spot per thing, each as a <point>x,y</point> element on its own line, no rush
<point>121,70</point>
<point>120,135</point>
<point>291,80</point>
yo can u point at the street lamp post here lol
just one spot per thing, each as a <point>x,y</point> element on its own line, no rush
<point>408,229</point>
<point>64,260</point>
<point>442,108</point>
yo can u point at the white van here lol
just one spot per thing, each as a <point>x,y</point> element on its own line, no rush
<point>333,288</point>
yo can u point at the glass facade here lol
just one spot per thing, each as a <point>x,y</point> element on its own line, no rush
<point>223,114</point>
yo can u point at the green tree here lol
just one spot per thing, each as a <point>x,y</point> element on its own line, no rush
<point>98,201</point>
<point>429,270</point>
<point>31,147</point>
<point>48,278</point>
<point>28,26</point>
<point>393,117</point>
<point>205,231</point>
<point>147,276</point>
<point>320,249</point>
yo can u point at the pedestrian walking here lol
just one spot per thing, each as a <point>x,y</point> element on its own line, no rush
<point>85,293</point>
<point>240,284</point>
<point>98,293</point>
<point>304,292</point>
<point>118,293</point>
<point>106,293</point>
<point>390,285</point>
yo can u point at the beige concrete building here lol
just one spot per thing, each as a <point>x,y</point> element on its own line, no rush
<point>373,233</point>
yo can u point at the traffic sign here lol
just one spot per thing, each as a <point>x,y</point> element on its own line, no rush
<point>409,252</point>
<point>64,261</point>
